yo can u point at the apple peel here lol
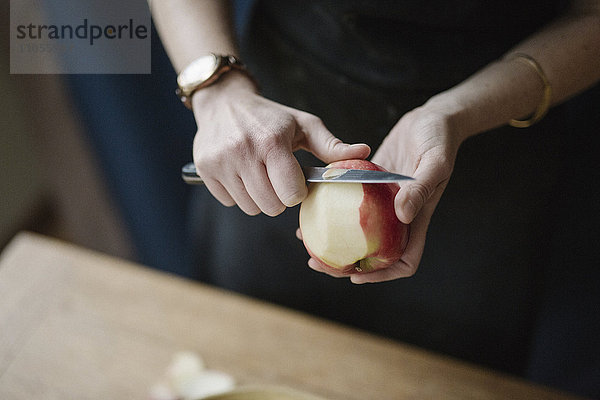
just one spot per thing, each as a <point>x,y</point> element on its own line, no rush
<point>352,227</point>
<point>187,378</point>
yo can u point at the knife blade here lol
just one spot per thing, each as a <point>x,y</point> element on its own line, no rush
<point>324,174</point>
<point>318,174</point>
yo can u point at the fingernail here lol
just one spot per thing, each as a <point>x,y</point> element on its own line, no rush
<point>294,199</point>
<point>357,281</point>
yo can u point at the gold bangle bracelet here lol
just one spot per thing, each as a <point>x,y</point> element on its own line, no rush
<point>544,105</point>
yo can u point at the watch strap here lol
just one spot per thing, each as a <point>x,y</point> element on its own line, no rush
<point>225,63</point>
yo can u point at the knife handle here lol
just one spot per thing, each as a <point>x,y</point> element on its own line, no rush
<point>189,175</point>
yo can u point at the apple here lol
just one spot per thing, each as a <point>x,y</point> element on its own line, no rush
<point>352,227</point>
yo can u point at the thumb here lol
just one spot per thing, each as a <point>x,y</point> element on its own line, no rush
<point>318,140</point>
<point>414,195</point>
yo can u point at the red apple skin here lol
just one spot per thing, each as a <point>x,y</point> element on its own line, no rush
<point>379,222</point>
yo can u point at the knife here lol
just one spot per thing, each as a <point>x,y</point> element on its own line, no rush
<point>319,174</point>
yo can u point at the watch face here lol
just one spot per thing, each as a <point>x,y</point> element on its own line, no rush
<point>197,72</point>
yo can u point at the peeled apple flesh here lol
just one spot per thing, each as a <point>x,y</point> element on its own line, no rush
<point>352,227</point>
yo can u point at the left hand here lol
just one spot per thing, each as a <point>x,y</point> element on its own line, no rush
<point>423,144</point>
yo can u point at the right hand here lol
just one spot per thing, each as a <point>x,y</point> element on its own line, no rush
<point>243,149</point>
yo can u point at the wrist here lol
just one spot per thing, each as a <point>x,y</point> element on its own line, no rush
<point>464,111</point>
<point>448,112</point>
<point>230,85</point>
<point>502,91</point>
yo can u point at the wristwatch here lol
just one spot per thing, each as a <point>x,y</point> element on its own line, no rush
<point>203,72</point>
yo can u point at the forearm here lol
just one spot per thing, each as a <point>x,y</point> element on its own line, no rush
<point>193,28</point>
<point>568,52</point>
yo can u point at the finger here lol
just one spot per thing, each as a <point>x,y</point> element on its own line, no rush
<point>262,193</point>
<point>219,192</point>
<point>317,266</point>
<point>395,271</point>
<point>286,177</point>
<point>299,234</point>
<point>237,191</point>
<point>318,140</point>
<point>408,264</point>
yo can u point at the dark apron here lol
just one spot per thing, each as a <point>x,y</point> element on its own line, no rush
<point>478,288</point>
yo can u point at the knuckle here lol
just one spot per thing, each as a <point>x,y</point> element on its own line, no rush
<point>239,145</point>
<point>205,162</point>
<point>205,158</point>
<point>422,190</point>
<point>274,141</point>
<point>332,143</point>
<point>277,138</point>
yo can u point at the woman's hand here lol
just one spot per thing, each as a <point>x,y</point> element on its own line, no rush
<point>423,144</point>
<point>244,146</point>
